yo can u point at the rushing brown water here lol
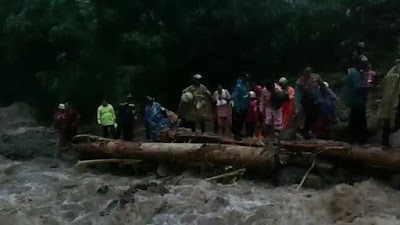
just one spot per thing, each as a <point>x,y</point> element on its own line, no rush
<point>33,193</point>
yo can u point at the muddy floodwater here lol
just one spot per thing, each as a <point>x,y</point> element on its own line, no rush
<point>42,190</point>
<point>34,192</point>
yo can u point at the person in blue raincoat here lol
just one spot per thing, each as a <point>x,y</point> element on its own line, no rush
<point>356,95</point>
<point>156,119</point>
<point>240,101</point>
<point>326,113</point>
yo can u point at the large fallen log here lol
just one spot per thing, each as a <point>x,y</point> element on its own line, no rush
<point>237,155</point>
<point>240,156</point>
<point>88,138</point>
<point>189,137</point>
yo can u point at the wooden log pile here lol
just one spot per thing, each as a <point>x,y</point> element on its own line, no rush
<point>223,151</point>
<point>240,156</point>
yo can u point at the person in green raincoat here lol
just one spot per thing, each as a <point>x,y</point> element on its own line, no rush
<point>106,119</point>
<point>389,109</point>
<point>197,108</point>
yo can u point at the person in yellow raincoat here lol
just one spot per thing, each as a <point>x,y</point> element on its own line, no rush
<point>389,109</point>
<point>196,100</point>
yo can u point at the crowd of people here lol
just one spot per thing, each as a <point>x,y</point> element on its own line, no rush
<point>263,109</point>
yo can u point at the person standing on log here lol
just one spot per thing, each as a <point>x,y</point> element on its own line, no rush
<point>106,119</point>
<point>258,89</point>
<point>271,105</point>
<point>307,94</point>
<point>240,102</point>
<point>156,118</point>
<point>389,109</point>
<point>198,109</point>
<point>222,99</point>
<point>287,107</point>
<point>356,93</point>
<point>126,118</point>
<point>252,117</point>
<point>326,113</point>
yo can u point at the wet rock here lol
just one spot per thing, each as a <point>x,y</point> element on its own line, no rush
<point>103,189</point>
<point>141,186</point>
<point>217,203</point>
<point>395,181</point>
<point>53,166</point>
<point>5,138</point>
<point>158,189</point>
<point>290,175</point>
<point>314,182</point>
<point>125,200</point>
<point>324,167</point>
<point>308,195</point>
<point>175,180</point>
<point>162,170</point>
<point>145,209</point>
<point>9,170</point>
<point>69,186</point>
<point>111,205</point>
<point>343,175</point>
<point>289,135</point>
<point>394,140</point>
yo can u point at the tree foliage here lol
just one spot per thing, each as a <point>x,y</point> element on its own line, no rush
<point>83,51</point>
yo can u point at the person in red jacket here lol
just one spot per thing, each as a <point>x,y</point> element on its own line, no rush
<point>60,119</point>
<point>288,106</point>
<point>66,121</point>
<point>258,89</point>
<point>252,117</point>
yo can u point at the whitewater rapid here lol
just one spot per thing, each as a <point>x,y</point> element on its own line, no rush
<point>50,192</point>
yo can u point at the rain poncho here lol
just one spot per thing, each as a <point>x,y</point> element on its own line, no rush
<point>200,108</point>
<point>287,107</point>
<point>156,119</point>
<point>390,96</point>
<point>328,103</point>
<point>353,95</point>
<point>240,96</point>
<point>106,115</point>
<point>307,91</point>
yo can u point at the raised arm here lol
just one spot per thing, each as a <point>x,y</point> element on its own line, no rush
<point>113,113</point>
<point>99,116</point>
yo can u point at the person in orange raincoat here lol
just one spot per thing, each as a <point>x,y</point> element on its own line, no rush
<point>287,107</point>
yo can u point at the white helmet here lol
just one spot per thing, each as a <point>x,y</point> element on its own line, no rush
<point>252,94</point>
<point>187,97</point>
<point>198,77</point>
<point>61,106</point>
<point>283,81</point>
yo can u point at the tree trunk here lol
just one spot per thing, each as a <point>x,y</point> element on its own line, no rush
<point>337,150</point>
<point>185,137</point>
<point>236,155</point>
<point>240,156</point>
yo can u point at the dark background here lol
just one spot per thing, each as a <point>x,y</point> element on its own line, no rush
<point>85,51</point>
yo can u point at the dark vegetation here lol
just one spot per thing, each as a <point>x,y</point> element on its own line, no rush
<point>83,51</point>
